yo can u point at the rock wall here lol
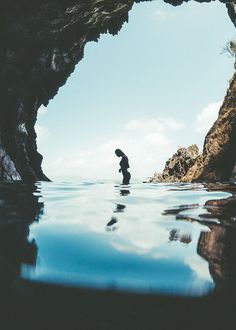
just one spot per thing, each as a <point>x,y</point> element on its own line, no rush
<point>41,41</point>
<point>178,165</point>
<point>219,157</point>
<point>40,44</point>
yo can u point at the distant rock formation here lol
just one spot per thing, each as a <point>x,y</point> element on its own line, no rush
<point>178,165</point>
<point>218,159</point>
<point>41,42</point>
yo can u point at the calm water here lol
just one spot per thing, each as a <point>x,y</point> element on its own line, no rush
<point>154,238</point>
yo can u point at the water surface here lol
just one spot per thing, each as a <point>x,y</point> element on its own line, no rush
<point>152,238</point>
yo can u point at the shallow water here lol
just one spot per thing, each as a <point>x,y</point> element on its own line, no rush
<point>152,238</point>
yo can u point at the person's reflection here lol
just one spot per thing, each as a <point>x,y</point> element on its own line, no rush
<point>124,192</point>
<point>112,224</point>
<point>119,208</point>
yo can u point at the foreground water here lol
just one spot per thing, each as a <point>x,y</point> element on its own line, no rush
<point>83,254</point>
<point>152,238</point>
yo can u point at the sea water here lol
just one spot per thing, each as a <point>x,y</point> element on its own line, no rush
<point>142,237</point>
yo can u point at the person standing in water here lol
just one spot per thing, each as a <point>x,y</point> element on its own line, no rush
<point>124,165</point>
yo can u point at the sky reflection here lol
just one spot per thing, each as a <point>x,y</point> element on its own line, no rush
<point>94,236</point>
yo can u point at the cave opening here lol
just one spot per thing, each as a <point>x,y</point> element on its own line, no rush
<point>156,86</point>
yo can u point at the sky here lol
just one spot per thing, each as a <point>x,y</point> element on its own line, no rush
<point>156,86</point>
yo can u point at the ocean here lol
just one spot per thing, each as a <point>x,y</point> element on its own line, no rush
<point>169,239</point>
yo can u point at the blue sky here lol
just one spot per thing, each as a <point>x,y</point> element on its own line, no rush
<point>155,86</point>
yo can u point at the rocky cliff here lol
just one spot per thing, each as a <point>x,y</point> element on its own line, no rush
<point>219,157</point>
<point>178,165</point>
<point>41,41</point>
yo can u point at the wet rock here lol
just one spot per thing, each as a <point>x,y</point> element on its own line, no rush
<point>8,171</point>
<point>178,165</point>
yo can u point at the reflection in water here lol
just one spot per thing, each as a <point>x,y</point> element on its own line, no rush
<point>19,207</point>
<point>180,208</point>
<point>146,249</point>
<point>175,235</point>
<point>133,252</point>
<point>124,192</point>
<point>218,245</point>
<point>224,210</point>
<point>120,208</point>
<point>151,251</point>
<point>111,225</point>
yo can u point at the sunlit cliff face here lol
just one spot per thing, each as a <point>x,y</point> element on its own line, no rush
<point>41,43</point>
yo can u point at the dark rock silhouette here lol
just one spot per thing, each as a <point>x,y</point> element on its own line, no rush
<point>19,207</point>
<point>41,41</point>
<point>233,175</point>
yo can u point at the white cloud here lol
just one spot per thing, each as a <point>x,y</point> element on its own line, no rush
<point>153,124</point>
<point>207,117</point>
<point>199,266</point>
<point>155,139</point>
<point>142,240</point>
<point>146,141</point>
<point>42,133</point>
<point>42,110</point>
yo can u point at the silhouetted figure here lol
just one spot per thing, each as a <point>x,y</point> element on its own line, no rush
<point>124,165</point>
